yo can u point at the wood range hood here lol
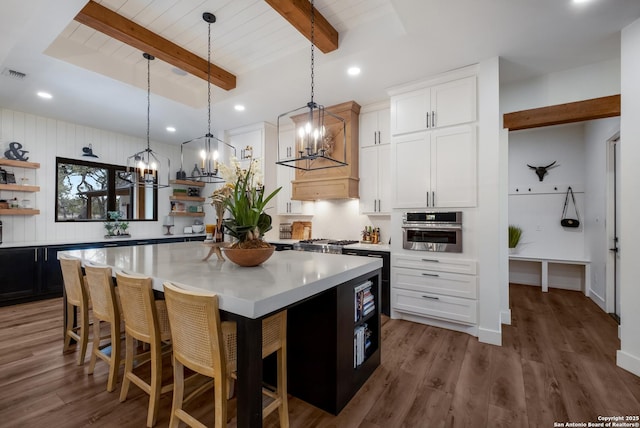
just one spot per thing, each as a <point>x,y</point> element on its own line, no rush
<point>333,183</point>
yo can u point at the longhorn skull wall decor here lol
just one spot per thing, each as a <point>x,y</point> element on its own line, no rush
<point>541,171</point>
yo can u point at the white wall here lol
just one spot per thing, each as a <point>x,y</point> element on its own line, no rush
<point>537,206</point>
<point>45,139</point>
<point>341,219</point>
<point>591,81</point>
<point>629,355</point>
<point>597,133</point>
<point>491,213</point>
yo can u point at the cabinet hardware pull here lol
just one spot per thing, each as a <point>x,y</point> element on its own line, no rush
<point>427,119</point>
<point>46,254</point>
<point>428,199</point>
<point>143,242</point>
<point>378,256</point>
<point>352,254</point>
<point>430,274</point>
<point>433,119</point>
<point>431,260</point>
<point>431,297</point>
<point>35,254</point>
<point>375,203</point>
<point>433,198</point>
<point>379,205</point>
<point>110,245</point>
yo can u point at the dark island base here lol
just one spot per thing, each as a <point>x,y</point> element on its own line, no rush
<point>320,346</point>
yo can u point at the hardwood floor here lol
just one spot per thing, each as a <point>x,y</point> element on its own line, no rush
<point>557,364</point>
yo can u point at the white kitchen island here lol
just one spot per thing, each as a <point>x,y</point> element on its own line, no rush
<point>246,295</point>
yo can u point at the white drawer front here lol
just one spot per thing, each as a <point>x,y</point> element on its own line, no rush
<point>442,283</point>
<point>427,260</point>
<point>432,305</point>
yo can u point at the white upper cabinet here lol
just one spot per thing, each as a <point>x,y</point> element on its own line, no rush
<point>285,174</point>
<point>375,128</point>
<point>375,180</point>
<point>435,169</point>
<point>438,106</point>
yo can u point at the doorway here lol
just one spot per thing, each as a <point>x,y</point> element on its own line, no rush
<point>613,213</point>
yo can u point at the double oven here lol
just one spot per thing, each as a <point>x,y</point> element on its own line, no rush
<point>432,231</point>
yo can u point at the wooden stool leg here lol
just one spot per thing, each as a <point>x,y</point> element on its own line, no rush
<point>178,393</point>
<point>68,328</point>
<point>128,367</point>
<point>156,384</point>
<point>84,335</point>
<point>114,361</point>
<point>95,346</point>
<point>283,409</point>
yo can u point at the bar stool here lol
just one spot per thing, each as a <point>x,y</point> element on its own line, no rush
<point>104,300</point>
<point>207,346</point>
<point>145,320</point>
<point>77,297</point>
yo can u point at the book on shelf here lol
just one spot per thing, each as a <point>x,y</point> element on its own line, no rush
<point>364,300</point>
<point>361,344</point>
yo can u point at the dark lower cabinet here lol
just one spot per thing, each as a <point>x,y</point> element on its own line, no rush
<point>19,274</point>
<point>33,273</point>
<point>321,352</point>
<point>385,285</point>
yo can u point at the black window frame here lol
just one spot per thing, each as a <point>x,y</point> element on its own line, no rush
<point>111,189</point>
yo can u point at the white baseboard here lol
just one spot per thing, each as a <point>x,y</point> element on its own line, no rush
<point>492,337</point>
<point>505,317</point>
<point>630,363</point>
<point>599,300</point>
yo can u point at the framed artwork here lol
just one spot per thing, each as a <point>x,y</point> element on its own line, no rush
<point>10,178</point>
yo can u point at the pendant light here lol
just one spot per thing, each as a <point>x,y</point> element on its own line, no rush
<point>149,167</point>
<point>316,130</point>
<point>206,169</point>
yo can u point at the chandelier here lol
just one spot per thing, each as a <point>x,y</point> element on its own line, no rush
<point>317,130</point>
<point>147,166</point>
<point>206,169</point>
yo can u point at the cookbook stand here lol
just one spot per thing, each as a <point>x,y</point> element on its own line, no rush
<point>215,248</point>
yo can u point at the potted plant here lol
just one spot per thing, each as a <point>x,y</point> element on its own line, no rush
<point>515,233</point>
<point>247,221</point>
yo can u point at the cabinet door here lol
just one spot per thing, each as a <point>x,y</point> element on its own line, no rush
<point>375,128</point>
<point>453,103</point>
<point>20,273</point>
<point>409,111</point>
<point>384,179</point>
<point>251,138</point>
<point>369,180</point>
<point>453,167</point>
<point>368,133</point>
<point>410,166</point>
<point>284,176</point>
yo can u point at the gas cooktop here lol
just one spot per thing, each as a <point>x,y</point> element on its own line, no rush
<point>331,246</point>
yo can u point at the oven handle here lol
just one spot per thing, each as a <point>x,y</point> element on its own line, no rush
<point>432,227</point>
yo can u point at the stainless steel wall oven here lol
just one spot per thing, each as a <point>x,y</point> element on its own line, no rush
<point>432,231</point>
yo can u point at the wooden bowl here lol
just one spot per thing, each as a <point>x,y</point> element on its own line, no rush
<point>248,257</point>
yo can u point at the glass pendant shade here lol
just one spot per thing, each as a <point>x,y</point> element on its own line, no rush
<point>149,169</point>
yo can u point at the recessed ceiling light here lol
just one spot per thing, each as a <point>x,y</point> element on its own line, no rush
<point>353,71</point>
<point>45,95</point>
<point>239,107</point>
<point>171,129</point>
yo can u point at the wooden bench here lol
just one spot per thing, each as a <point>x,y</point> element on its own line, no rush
<point>544,277</point>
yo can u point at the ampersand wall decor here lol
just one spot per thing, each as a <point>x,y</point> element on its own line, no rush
<point>15,152</point>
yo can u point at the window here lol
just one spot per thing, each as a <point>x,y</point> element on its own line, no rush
<point>86,191</point>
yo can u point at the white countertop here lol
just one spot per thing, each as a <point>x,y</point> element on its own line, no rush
<point>287,277</point>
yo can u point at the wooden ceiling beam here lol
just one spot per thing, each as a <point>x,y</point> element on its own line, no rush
<point>595,108</point>
<point>120,28</point>
<point>298,14</point>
